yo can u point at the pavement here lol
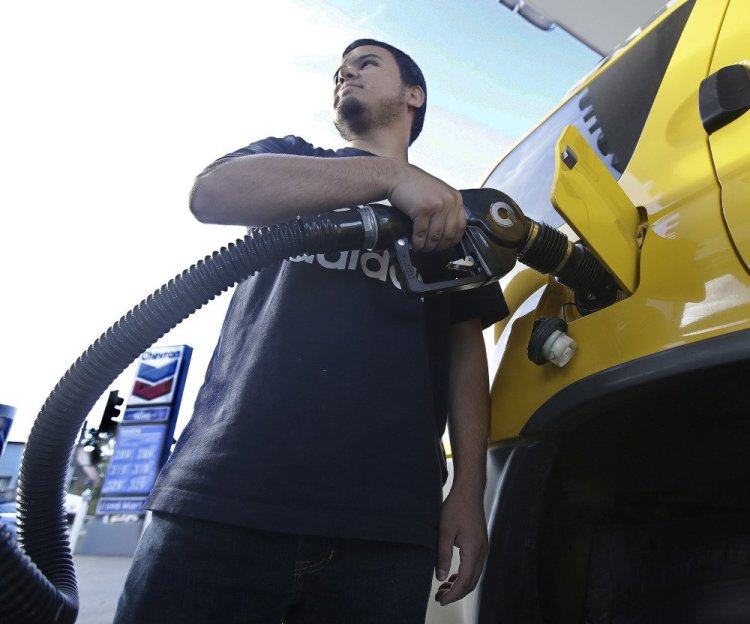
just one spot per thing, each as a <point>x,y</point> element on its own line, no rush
<point>100,581</point>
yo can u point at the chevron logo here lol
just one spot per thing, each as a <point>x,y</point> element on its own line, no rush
<point>160,375</point>
<point>153,374</point>
<point>154,381</point>
<point>149,392</point>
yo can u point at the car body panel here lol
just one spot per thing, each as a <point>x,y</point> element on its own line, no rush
<point>729,145</point>
<point>692,284</point>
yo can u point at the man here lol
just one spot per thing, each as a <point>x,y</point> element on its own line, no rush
<point>307,486</point>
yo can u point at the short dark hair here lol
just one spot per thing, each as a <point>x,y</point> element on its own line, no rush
<point>410,75</point>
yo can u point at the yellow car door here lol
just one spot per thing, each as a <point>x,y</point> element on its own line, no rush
<point>725,102</point>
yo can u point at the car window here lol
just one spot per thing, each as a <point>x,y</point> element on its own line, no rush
<point>610,112</point>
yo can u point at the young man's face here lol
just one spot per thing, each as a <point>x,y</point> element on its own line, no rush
<point>369,93</point>
<point>367,73</point>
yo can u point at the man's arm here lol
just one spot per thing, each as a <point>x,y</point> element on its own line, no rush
<point>462,522</point>
<point>262,189</point>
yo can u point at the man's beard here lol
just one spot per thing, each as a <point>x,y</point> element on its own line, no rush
<point>354,119</point>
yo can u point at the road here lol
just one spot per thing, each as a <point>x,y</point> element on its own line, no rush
<point>100,581</point>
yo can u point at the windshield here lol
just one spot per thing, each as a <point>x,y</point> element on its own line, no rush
<point>610,113</point>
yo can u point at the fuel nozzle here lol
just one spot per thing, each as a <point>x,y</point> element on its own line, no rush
<point>499,230</point>
<point>497,235</point>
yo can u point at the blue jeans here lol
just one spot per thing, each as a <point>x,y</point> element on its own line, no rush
<point>192,571</point>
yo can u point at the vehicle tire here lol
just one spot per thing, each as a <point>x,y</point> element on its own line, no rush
<point>721,602</point>
<point>691,571</point>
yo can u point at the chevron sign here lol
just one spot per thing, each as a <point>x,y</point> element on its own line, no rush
<point>155,381</point>
<point>145,433</point>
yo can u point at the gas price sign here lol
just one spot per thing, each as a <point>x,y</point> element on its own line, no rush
<point>136,461</point>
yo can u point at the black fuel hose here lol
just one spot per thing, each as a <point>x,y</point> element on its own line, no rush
<point>38,586</point>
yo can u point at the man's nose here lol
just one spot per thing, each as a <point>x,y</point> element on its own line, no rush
<point>346,73</point>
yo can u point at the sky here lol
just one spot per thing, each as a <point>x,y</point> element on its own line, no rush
<point>110,109</point>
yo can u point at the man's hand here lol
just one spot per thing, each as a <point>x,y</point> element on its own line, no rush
<point>462,524</point>
<point>436,209</point>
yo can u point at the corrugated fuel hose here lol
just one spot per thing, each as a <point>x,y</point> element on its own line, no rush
<point>37,583</point>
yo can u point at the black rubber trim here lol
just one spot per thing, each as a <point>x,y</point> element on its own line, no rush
<point>724,96</point>
<point>508,590</point>
<point>567,409</point>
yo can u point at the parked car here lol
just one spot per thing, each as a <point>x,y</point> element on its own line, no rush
<point>618,487</point>
<point>8,517</point>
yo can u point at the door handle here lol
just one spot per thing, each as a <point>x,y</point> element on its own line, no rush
<point>724,96</point>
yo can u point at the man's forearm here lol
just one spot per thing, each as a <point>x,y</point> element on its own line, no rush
<point>268,188</point>
<point>462,521</point>
<point>469,408</point>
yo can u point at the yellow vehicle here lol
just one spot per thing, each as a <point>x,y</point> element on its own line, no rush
<point>620,480</point>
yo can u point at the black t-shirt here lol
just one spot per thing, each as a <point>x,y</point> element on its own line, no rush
<point>325,399</point>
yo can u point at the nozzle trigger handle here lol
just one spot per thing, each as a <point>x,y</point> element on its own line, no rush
<point>413,285</point>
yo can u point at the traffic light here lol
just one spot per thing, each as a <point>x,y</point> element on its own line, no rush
<point>111,412</point>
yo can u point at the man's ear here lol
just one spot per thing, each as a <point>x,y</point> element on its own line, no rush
<point>415,96</point>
